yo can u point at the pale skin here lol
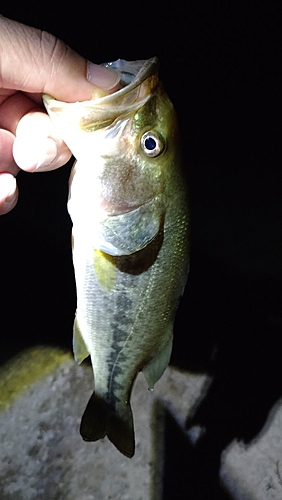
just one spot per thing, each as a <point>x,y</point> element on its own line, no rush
<point>33,62</point>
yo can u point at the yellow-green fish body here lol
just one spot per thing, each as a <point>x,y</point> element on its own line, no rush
<point>128,204</point>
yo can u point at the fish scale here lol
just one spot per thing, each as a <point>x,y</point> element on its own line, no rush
<point>128,204</point>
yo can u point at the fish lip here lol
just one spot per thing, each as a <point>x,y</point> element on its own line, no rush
<point>148,67</point>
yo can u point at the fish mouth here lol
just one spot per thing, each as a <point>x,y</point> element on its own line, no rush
<point>138,79</point>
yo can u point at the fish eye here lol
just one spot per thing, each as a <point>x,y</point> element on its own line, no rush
<point>152,144</point>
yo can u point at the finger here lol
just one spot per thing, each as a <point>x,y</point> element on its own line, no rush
<point>7,162</point>
<point>37,146</point>
<point>8,192</point>
<point>12,108</point>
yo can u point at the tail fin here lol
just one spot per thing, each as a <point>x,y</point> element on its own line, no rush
<point>100,419</point>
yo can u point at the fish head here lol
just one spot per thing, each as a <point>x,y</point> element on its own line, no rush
<point>125,145</point>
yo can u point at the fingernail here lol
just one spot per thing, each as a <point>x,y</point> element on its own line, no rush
<point>34,155</point>
<point>10,202</point>
<point>100,76</point>
<point>8,193</point>
<point>48,155</point>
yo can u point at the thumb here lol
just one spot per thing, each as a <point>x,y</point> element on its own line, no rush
<point>37,62</point>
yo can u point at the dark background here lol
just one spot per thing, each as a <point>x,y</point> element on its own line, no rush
<point>221,64</point>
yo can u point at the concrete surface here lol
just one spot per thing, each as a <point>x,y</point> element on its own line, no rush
<point>43,395</point>
<point>254,472</point>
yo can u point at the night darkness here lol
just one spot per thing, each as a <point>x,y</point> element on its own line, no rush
<point>221,68</point>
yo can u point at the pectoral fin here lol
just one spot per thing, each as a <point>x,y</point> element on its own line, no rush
<point>154,370</point>
<point>105,270</point>
<point>79,348</point>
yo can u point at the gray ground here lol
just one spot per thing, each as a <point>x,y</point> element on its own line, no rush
<point>43,395</point>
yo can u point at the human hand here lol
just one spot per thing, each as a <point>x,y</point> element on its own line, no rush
<point>34,62</point>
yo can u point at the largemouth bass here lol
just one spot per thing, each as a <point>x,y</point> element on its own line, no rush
<point>128,205</point>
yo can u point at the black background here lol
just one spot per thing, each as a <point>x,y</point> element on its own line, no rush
<point>220,63</point>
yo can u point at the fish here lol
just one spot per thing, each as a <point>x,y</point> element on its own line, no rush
<point>129,207</point>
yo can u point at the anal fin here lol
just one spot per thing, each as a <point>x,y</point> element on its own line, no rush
<point>154,370</point>
<point>100,419</point>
